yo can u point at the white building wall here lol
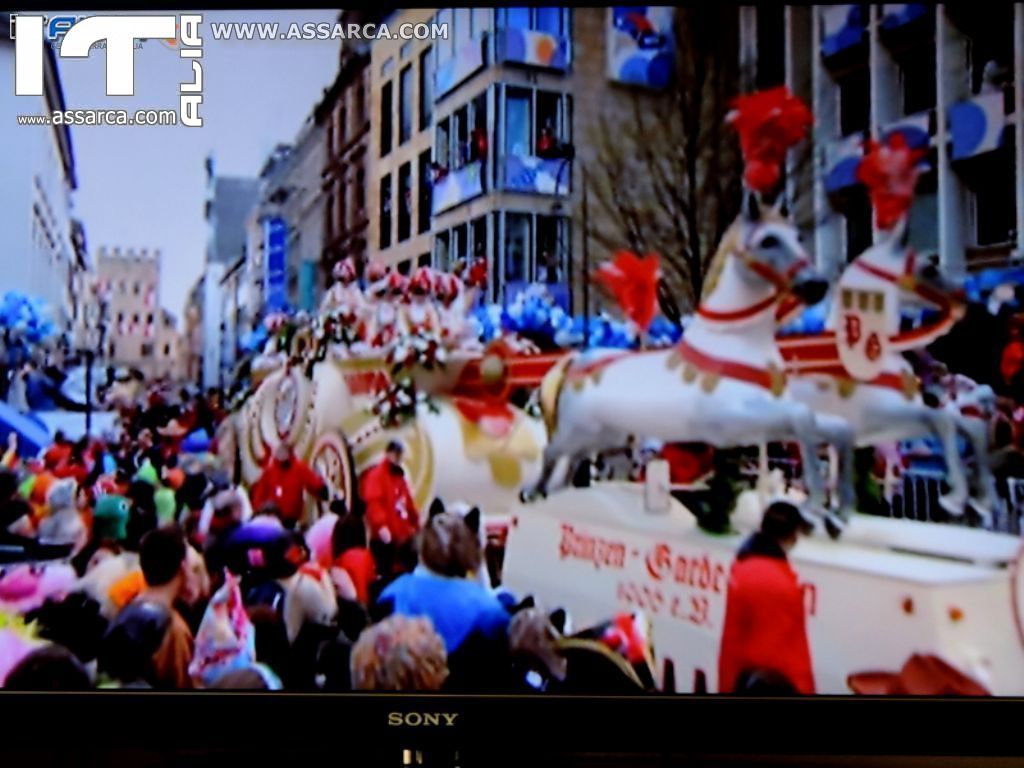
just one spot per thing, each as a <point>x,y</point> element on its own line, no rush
<point>36,255</point>
<point>212,337</point>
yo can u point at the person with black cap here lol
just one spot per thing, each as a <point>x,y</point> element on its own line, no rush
<point>764,645</point>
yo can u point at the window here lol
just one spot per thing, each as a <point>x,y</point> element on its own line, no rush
<point>147,350</point>
<point>548,121</point>
<point>385,118</point>
<point>517,248</point>
<point>991,179</point>
<point>385,211</point>
<point>854,101</point>
<point>552,250</point>
<point>460,243</point>
<point>917,78</point>
<point>149,319</point>
<point>771,46</point>
<point>549,20</point>
<point>405,209</point>
<point>478,232</point>
<point>481,21</point>
<point>361,193</point>
<point>442,251</point>
<point>463,27</point>
<point>405,105</point>
<point>442,142</point>
<point>361,105</point>
<point>136,288</point>
<point>857,212</point>
<point>342,208</point>
<point>387,67</point>
<point>518,140</point>
<point>445,46</point>
<point>460,127</point>
<point>135,319</point>
<point>405,267</point>
<point>478,135</point>
<point>167,350</point>
<point>342,131</point>
<point>425,201</point>
<point>423,260</point>
<point>923,222</point>
<point>426,88</point>
<point>991,49</point>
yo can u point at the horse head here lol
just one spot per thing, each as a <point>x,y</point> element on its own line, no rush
<point>759,261</point>
<point>920,279</point>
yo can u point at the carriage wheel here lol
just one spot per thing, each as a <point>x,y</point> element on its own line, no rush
<point>332,459</point>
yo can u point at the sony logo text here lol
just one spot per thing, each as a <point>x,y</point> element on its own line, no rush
<point>416,719</point>
<point>119,34</point>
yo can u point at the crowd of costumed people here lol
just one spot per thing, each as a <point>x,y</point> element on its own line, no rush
<point>136,563</point>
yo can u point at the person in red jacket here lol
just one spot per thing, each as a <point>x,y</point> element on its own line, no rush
<point>391,513</point>
<point>764,640</point>
<point>284,483</point>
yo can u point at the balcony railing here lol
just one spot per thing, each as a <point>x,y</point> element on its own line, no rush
<point>457,187</point>
<point>468,60</point>
<point>526,173</point>
<point>532,48</point>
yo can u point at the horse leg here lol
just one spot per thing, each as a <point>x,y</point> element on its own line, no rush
<point>838,433</point>
<point>987,500</point>
<point>805,430</point>
<point>552,453</point>
<point>943,425</point>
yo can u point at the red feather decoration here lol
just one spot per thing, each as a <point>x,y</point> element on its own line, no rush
<point>633,282</point>
<point>768,123</point>
<point>890,172</point>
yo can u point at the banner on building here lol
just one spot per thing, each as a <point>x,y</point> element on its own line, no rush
<point>275,245</point>
<point>641,46</point>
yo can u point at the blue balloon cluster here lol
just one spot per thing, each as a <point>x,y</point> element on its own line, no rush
<point>255,339</point>
<point>535,315</point>
<point>26,318</point>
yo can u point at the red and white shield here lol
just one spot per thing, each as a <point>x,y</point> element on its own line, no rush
<point>862,333</point>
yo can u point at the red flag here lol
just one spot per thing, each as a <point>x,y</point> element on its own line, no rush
<point>633,282</point>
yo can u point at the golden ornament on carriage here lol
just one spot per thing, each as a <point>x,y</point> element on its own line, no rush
<point>778,380</point>
<point>689,374</point>
<point>710,382</point>
<point>846,387</point>
<point>492,369</point>
<point>673,360</point>
<point>911,385</point>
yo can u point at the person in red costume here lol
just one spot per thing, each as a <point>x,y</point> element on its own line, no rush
<point>764,640</point>
<point>284,483</point>
<point>391,512</point>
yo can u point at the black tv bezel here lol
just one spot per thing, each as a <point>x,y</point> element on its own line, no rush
<point>511,726</point>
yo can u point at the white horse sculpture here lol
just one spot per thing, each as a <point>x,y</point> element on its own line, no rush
<point>884,403</point>
<point>724,385</point>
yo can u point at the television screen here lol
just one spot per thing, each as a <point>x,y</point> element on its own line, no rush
<point>635,350</point>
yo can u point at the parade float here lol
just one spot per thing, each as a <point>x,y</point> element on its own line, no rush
<point>392,358</point>
<point>889,599</point>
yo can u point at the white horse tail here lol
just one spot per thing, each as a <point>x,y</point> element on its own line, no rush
<point>551,390</point>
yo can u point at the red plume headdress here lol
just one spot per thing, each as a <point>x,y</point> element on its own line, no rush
<point>890,172</point>
<point>633,281</point>
<point>768,123</point>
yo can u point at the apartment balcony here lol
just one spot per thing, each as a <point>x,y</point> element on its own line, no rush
<point>533,48</point>
<point>467,61</point>
<point>458,186</point>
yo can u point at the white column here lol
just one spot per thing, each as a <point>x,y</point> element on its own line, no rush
<point>886,99</point>
<point>1018,128</point>
<point>951,87</point>
<point>828,231</point>
<point>799,65</point>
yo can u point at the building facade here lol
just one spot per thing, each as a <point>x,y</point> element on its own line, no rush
<point>140,334</point>
<point>40,256</point>
<point>948,77</point>
<point>475,138</point>
<point>345,113</point>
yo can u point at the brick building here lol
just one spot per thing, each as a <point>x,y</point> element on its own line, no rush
<point>141,333</point>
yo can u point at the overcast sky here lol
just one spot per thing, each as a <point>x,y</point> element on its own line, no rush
<point>145,186</point>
